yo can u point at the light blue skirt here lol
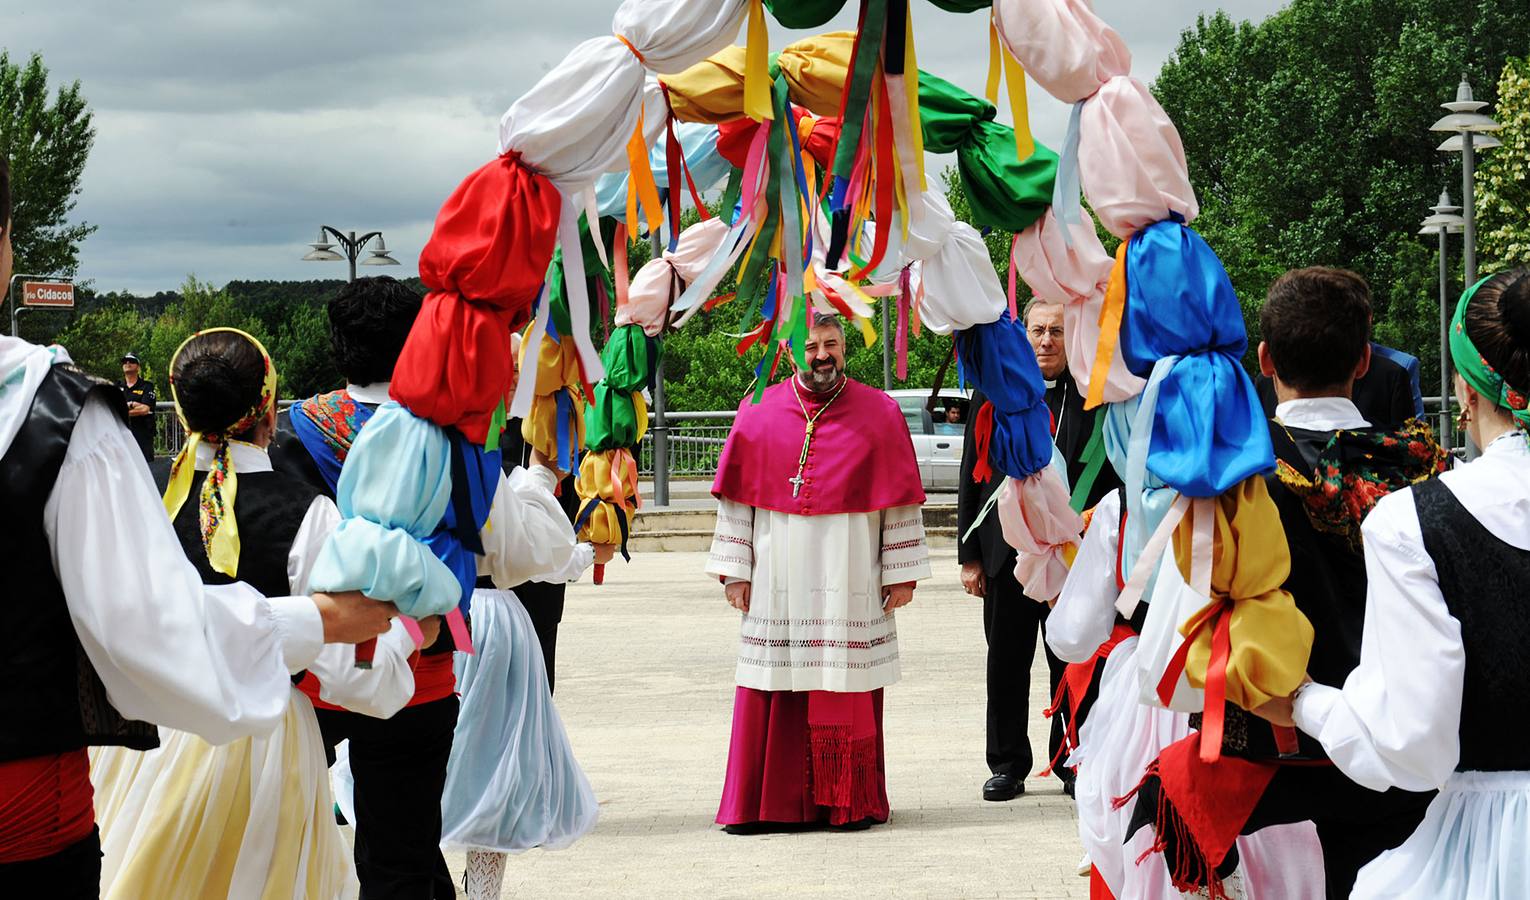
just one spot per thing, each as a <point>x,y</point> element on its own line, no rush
<point>512,782</point>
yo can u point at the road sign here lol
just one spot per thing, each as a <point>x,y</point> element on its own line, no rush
<point>55,294</point>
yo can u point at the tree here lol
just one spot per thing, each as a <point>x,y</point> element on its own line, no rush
<point>200,306</point>
<point>1504,177</point>
<point>1309,144</point>
<point>47,145</point>
<point>97,339</point>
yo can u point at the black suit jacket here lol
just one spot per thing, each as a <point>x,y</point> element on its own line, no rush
<point>986,544</point>
<point>1384,394</point>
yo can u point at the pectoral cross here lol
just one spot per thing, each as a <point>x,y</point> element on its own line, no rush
<point>807,441</point>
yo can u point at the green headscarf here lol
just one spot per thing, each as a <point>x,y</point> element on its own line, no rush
<point>1476,370</point>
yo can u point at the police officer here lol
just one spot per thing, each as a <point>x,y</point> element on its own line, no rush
<point>139,395</point>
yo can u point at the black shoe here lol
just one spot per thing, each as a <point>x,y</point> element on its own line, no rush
<point>1068,787</point>
<point>1001,787</point>
<point>769,827</point>
<point>858,825</point>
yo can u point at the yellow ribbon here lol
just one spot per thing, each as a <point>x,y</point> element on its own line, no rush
<point>1111,313</point>
<point>1001,60</point>
<point>219,528</point>
<point>757,66</point>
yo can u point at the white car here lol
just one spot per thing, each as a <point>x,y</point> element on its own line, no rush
<point>937,426</point>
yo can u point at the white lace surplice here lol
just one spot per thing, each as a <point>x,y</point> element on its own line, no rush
<point>815,621</point>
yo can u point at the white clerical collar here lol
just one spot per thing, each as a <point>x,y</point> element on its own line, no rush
<point>376,392</point>
<point>1321,414</point>
<point>244,457</point>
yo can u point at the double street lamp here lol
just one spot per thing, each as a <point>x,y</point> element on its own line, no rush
<point>1471,130</point>
<point>323,250</point>
<point>1444,221</point>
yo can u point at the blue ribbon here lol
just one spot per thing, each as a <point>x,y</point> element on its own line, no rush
<point>1067,186</point>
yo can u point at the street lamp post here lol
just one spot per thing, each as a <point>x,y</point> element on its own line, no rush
<point>323,250</point>
<point>1444,222</point>
<point>1473,131</point>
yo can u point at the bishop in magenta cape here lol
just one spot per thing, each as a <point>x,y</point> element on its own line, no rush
<point>815,648</point>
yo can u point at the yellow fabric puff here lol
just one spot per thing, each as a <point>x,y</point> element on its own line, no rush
<point>557,365</point>
<point>1271,639</point>
<point>610,477</point>
<point>712,91</point>
<point>540,426</point>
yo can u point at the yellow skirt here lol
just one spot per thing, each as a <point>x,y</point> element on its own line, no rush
<point>250,819</point>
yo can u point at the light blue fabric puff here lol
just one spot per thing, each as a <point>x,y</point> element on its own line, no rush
<point>512,782</point>
<point>1209,431</point>
<point>386,564</point>
<point>393,492</point>
<point>698,143</point>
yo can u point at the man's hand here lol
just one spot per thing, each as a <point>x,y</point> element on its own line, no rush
<point>604,553</point>
<point>430,631</point>
<point>896,595</point>
<point>738,595</point>
<point>351,617</point>
<point>538,458</point>
<point>973,580</point>
<point>138,409</point>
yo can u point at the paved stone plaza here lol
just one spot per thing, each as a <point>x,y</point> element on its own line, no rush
<point>645,686</point>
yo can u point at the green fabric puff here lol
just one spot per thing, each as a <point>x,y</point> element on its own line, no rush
<point>629,359</point>
<point>557,290</point>
<point>804,13</point>
<point>610,423</point>
<point>1005,193</point>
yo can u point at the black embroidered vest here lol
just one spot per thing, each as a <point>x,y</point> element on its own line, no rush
<point>51,699</point>
<point>1483,580</point>
<point>269,507</point>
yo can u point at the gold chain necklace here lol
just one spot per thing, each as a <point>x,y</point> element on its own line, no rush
<point>807,434</point>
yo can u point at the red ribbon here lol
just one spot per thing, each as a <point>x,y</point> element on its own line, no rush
<point>1213,714</point>
<point>982,433</point>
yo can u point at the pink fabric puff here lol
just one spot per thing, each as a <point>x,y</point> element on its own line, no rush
<point>1076,277</point>
<point>1038,522</point>
<point>1062,44</point>
<point>661,281</point>
<point>1131,160</point>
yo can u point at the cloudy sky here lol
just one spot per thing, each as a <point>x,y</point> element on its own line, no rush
<point>229,130</point>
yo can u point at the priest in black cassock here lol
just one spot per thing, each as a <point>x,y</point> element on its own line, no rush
<point>1011,620</point>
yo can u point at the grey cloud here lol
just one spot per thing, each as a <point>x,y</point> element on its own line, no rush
<point>228,131</point>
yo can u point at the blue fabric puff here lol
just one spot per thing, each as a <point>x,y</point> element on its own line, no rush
<point>394,491</point>
<point>1209,431</point>
<point>997,357</point>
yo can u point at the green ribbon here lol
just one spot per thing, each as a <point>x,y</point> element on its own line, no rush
<point>858,87</point>
<point>1094,452</point>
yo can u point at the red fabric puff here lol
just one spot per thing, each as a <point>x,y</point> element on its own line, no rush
<point>733,138</point>
<point>494,236</point>
<point>484,265</point>
<point>456,366</point>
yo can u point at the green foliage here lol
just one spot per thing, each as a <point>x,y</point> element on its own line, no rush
<point>47,144</point>
<point>1309,144</point>
<point>1504,176</point>
<point>97,340</point>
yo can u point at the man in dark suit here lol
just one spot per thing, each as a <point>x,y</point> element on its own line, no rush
<point>1011,620</point>
<point>1386,395</point>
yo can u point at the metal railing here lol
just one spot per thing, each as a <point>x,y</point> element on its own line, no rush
<point>695,442</point>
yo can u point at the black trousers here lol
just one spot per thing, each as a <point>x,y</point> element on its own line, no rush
<point>73,873</point>
<point>544,603</point>
<point>1354,824</point>
<point>1011,622</point>
<point>399,766</point>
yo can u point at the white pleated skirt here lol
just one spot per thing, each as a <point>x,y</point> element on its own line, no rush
<point>1474,843</point>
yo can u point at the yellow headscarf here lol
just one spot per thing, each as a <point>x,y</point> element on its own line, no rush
<point>220,532</point>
